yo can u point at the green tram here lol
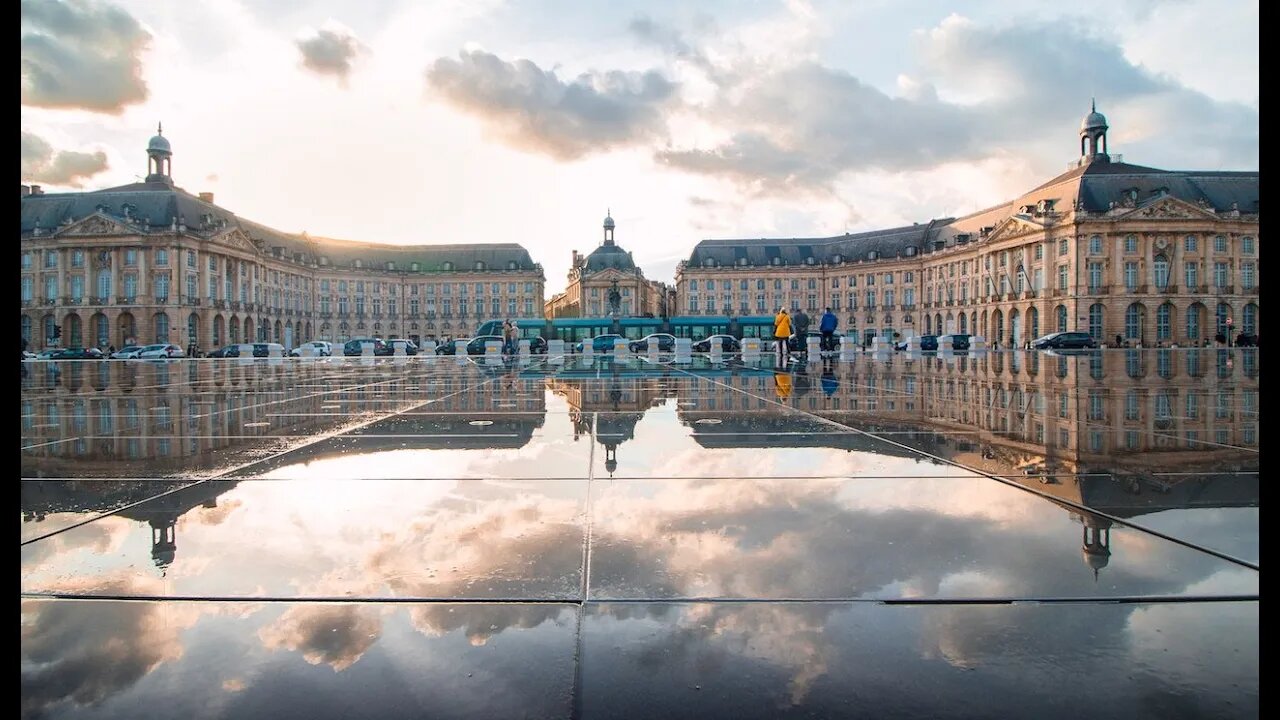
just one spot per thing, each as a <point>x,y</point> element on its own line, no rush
<point>694,327</point>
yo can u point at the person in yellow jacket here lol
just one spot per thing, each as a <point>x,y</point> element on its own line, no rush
<point>781,333</point>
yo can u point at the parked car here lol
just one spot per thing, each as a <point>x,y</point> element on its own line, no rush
<point>128,352</point>
<point>320,348</point>
<point>600,343</point>
<point>447,348</point>
<point>355,348</point>
<point>958,342</point>
<point>801,344</point>
<point>260,350</point>
<point>928,343</point>
<point>227,351</point>
<point>666,343</point>
<point>1064,341</point>
<point>28,355</point>
<point>1246,340</point>
<point>161,351</point>
<point>76,354</point>
<point>409,347</point>
<point>538,346</point>
<point>728,343</point>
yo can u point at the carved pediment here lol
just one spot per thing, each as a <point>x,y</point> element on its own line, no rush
<point>97,225</point>
<point>1169,208</point>
<point>237,239</point>
<point>1013,227</point>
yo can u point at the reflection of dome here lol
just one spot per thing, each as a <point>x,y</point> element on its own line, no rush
<point>1096,558</point>
<point>609,256</point>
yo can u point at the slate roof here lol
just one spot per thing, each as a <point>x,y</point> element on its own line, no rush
<point>157,206</point>
<point>609,256</point>
<point>889,243</point>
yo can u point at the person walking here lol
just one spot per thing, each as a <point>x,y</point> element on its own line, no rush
<point>509,338</point>
<point>827,326</point>
<point>802,331</point>
<point>781,333</point>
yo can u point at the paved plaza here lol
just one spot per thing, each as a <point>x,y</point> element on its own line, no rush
<point>1003,534</point>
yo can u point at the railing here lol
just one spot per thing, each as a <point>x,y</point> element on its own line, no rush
<point>1224,290</point>
<point>98,301</point>
<point>1098,290</point>
<point>71,301</point>
<point>1167,290</point>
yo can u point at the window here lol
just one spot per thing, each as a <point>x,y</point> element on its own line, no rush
<point>162,288</point>
<point>1161,271</point>
<point>1193,322</point>
<point>871,299</point>
<point>1191,273</point>
<point>1062,277</point>
<point>1039,252</point>
<point>1131,243</point>
<point>1062,250</point>
<point>104,283</point>
<point>192,288</point>
<point>28,289</point>
<point>1220,244</point>
<point>1250,319</point>
<point>1246,246</point>
<point>1220,274</point>
<point>1037,282</point>
<point>1247,275</point>
<point>1062,318</point>
<point>1095,245</point>
<point>1095,276</point>
<point>1163,320</point>
<point>191,258</point>
<point>1190,244</point>
<point>1095,321</point>
<point>795,285</point>
<point>51,258</point>
<point>813,284</point>
<point>1130,276</point>
<point>162,257</point>
<point>1133,322</point>
<point>77,258</point>
<point>1131,405</point>
<point>130,286</point>
<point>26,261</point>
<point>871,280</point>
<point>50,287</point>
<point>888,278</point>
<point>693,286</point>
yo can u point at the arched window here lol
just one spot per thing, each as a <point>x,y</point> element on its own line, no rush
<point>1164,324</point>
<point>1033,323</point>
<point>1193,321</point>
<point>1062,318</point>
<point>928,324</point>
<point>193,327</point>
<point>1161,270</point>
<point>162,328</point>
<point>1133,322</point>
<point>1096,312</point>
<point>1250,319</point>
<point>964,324</point>
<point>1224,314</point>
<point>26,328</point>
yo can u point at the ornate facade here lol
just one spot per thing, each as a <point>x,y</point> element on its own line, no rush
<point>593,279</point>
<point>151,263</point>
<point>1157,257</point>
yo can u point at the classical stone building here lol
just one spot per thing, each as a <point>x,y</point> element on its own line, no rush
<point>593,277</point>
<point>1155,256</point>
<point>150,263</point>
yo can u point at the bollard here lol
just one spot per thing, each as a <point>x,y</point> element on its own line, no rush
<point>522,348</point>
<point>684,350</point>
<point>428,348</point>
<point>399,350</point>
<point>750,346</point>
<point>492,349</point>
<point>848,347</point>
<point>977,342</point>
<point>652,350</point>
<point>619,347</point>
<point>944,345</point>
<point>307,351</point>
<point>555,348</point>
<point>245,352</point>
<point>588,347</point>
<point>366,349</point>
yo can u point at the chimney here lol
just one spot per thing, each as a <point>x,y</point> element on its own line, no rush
<point>207,197</point>
<point>25,191</point>
<point>35,190</point>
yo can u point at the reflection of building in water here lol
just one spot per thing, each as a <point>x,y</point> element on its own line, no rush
<point>616,396</point>
<point>94,496</point>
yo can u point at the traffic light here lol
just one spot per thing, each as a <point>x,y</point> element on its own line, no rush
<point>57,331</point>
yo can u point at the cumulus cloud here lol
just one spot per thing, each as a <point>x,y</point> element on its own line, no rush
<point>81,54</point>
<point>534,109</point>
<point>335,635</point>
<point>330,51</point>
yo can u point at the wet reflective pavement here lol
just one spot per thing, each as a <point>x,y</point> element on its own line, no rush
<point>997,535</point>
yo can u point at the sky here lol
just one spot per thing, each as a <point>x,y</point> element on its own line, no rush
<point>461,121</point>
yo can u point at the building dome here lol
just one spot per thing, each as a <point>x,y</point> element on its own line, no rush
<point>159,143</point>
<point>1093,120</point>
<point>608,222</point>
<point>609,256</point>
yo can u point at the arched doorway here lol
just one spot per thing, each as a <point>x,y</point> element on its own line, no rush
<point>928,324</point>
<point>984,324</point>
<point>308,337</point>
<point>278,337</point>
<point>233,330</point>
<point>264,329</point>
<point>997,326</point>
<point>193,329</point>
<point>288,335</point>
<point>128,329</point>
<point>1015,329</point>
<point>26,328</point>
<point>218,337</point>
<point>951,323</point>
<point>1221,318</point>
<point>248,329</point>
<point>49,322</point>
<point>1062,318</point>
<point>1249,322</point>
<point>1135,321</point>
<point>101,328</point>
<point>1195,322</point>
<point>937,323</point>
<point>1164,322</point>
<point>161,325</point>
<point>1033,323</point>
<point>72,332</point>
<point>964,324</point>
<point>1096,330</point>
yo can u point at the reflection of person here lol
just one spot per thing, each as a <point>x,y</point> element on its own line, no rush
<point>781,333</point>
<point>782,385</point>
<point>802,329</point>
<point>829,382</point>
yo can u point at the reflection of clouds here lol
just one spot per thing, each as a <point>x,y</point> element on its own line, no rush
<point>102,536</point>
<point>87,652</point>
<point>336,635</point>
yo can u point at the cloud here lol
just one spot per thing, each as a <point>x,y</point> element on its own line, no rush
<point>81,54</point>
<point>535,110</point>
<point>336,635</point>
<point>330,51</point>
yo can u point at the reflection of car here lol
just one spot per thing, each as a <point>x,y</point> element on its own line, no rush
<point>28,355</point>
<point>127,352</point>
<point>475,346</point>
<point>260,350</point>
<point>600,343</point>
<point>447,348</point>
<point>161,351</point>
<point>537,345</point>
<point>76,354</point>
<point>958,342</point>
<point>728,343</point>
<point>1065,341</point>
<point>665,343</point>
<point>319,348</point>
<point>928,343</point>
<point>1246,340</point>
<point>409,347</point>
<point>355,347</point>
<point>228,351</point>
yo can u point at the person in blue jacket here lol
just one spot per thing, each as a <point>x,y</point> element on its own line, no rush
<point>827,326</point>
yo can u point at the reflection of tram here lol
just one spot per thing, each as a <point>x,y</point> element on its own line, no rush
<point>573,330</point>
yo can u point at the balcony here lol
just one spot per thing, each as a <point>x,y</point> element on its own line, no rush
<point>191,302</point>
<point>1167,290</point>
<point>1253,290</point>
<point>1098,290</point>
<point>72,300</point>
<point>162,300</point>
<point>99,301</point>
<point>1224,290</point>
<point>50,301</point>
<point>219,304</point>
